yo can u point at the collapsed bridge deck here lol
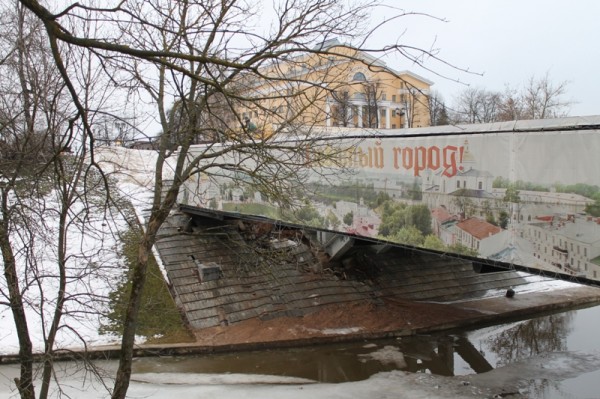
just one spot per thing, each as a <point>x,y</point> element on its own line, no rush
<point>267,272</point>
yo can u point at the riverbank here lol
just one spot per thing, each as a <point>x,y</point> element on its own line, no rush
<point>355,322</point>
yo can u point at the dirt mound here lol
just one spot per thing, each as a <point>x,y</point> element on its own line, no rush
<point>336,320</point>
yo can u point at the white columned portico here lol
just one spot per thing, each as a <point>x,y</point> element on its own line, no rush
<point>388,121</point>
<point>327,113</point>
<point>360,116</point>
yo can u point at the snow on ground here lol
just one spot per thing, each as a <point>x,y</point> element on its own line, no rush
<point>93,268</point>
<point>396,384</point>
<point>94,265</point>
<point>523,377</point>
<point>134,172</point>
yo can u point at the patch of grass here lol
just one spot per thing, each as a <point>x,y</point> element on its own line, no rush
<point>159,319</point>
<point>252,209</point>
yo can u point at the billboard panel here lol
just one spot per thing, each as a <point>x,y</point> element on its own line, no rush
<point>527,195</point>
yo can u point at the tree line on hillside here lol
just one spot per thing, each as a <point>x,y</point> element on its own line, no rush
<point>587,190</point>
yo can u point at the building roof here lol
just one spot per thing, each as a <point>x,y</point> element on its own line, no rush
<point>579,230</point>
<point>474,173</point>
<point>471,193</point>
<point>596,260</point>
<point>441,214</point>
<point>478,228</point>
<point>330,43</point>
<point>533,125</point>
<point>471,172</point>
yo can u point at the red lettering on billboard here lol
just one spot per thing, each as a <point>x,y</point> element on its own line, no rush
<point>419,159</point>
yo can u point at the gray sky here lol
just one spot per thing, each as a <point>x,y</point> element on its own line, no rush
<point>507,41</point>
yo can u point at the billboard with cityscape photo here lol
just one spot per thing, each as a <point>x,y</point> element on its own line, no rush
<point>525,193</point>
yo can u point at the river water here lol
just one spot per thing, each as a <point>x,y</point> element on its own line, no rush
<point>457,353</point>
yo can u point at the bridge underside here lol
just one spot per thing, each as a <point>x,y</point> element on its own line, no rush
<point>225,270</point>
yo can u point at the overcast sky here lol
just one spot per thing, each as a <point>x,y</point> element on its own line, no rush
<point>508,42</point>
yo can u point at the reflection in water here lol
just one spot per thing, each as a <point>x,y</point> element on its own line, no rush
<point>330,363</point>
<point>436,354</point>
<point>531,337</point>
<point>444,354</point>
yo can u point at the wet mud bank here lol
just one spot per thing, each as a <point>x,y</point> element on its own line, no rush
<point>356,322</point>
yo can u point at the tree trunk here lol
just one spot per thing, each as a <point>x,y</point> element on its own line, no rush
<point>25,381</point>
<point>138,279</point>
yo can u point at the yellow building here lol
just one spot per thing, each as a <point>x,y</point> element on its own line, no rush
<point>333,85</point>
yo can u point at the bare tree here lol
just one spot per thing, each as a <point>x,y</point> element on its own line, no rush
<point>341,108</point>
<point>46,185</point>
<point>542,99</point>
<point>538,99</point>
<point>511,107</point>
<point>372,95</point>
<point>476,105</point>
<point>203,56</point>
<point>29,119</point>
<point>413,100</point>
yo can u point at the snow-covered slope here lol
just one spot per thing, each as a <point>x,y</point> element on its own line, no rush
<point>94,265</point>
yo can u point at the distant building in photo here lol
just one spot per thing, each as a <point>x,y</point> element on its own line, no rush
<point>470,186</point>
<point>570,242</point>
<point>481,236</point>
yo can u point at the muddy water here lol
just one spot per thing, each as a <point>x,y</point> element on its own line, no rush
<point>452,354</point>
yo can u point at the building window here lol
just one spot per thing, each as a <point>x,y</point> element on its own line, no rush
<point>585,251</point>
<point>383,97</point>
<point>359,77</point>
<point>393,125</point>
<point>393,98</point>
<point>382,112</point>
<point>480,185</point>
<point>464,184</point>
<point>457,184</point>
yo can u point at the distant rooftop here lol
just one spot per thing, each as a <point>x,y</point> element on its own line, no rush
<point>478,228</point>
<point>582,230</point>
